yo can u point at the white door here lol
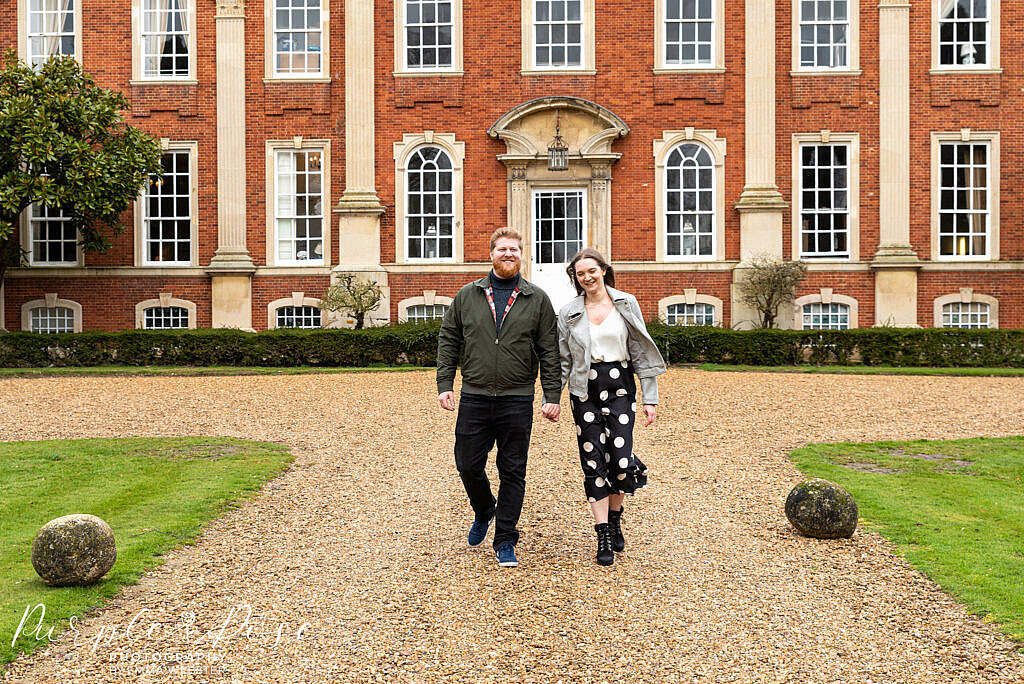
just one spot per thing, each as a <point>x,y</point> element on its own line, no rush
<point>559,227</point>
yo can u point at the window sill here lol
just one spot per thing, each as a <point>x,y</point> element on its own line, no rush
<point>65,264</point>
<point>427,74</point>
<point>964,70</point>
<point>297,79</point>
<point>163,82</point>
<point>963,259</point>
<point>823,72</point>
<point>558,72</point>
<point>689,70</point>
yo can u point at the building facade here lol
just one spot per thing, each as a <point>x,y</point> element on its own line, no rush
<point>877,142</point>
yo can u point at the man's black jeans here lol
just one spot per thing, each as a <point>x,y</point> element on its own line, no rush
<point>483,421</point>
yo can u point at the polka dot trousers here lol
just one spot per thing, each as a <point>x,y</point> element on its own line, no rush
<point>604,431</point>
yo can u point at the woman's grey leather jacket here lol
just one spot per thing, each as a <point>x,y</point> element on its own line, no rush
<point>574,345</point>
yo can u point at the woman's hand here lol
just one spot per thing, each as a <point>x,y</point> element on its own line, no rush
<point>649,412</point>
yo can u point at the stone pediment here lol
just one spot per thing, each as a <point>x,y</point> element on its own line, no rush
<point>587,128</point>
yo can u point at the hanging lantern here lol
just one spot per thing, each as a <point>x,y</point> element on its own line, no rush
<point>558,151</point>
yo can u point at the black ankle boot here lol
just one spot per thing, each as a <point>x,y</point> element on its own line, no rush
<point>605,555</point>
<point>614,520</point>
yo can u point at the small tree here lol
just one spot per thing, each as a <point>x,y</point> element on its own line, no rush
<point>64,143</point>
<point>354,295</point>
<point>769,284</point>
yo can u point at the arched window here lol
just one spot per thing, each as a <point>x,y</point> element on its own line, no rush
<point>298,317</point>
<point>52,319</point>
<point>429,210</point>
<point>689,202</point>
<point>690,314</point>
<point>968,315</point>
<point>820,316</point>
<point>165,318</point>
<point>421,313</point>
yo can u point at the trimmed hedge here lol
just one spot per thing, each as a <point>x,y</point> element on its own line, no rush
<point>417,344</point>
<point>389,345</point>
<point>939,347</point>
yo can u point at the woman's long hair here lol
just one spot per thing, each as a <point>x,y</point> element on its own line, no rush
<point>590,253</point>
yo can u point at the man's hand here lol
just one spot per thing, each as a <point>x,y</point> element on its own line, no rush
<point>551,411</point>
<point>446,400</point>
<point>649,414</point>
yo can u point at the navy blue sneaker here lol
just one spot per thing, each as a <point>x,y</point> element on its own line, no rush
<point>478,531</point>
<point>506,554</point>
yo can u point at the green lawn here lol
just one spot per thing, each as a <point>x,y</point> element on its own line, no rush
<point>955,509</point>
<point>865,370</point>
<point>193,370</point>
<point>156,493</point>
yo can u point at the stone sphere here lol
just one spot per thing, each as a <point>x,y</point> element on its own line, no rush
<point>73,550</point>
<point>822,509</point>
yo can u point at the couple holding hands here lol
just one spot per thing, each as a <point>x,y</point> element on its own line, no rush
<point>499,331</point>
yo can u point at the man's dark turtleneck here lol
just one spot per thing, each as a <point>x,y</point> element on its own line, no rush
<point>502,289</point>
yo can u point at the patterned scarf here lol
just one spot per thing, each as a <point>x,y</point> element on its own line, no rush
<point>511,301</point>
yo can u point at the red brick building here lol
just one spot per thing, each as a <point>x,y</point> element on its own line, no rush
<point>878,142</point>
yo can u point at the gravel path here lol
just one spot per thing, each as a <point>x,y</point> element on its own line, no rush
<point>363,538</point>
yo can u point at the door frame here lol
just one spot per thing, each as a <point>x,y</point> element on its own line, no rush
<point>583,188</point>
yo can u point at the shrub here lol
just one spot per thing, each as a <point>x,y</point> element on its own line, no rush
<point>416,343</point>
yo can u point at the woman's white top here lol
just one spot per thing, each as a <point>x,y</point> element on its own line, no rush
<point>608,340</point>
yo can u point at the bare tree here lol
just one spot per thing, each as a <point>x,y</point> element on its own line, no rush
<point>354,295</point>
<point>769,284</point>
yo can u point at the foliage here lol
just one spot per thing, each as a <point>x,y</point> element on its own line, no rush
<point>416,343</point>
<point>769,284</point>
<point>353,294</point>
<point>391,345</point>
<point>932,347</point>
<point>954,508</point>
<point>64,143</point>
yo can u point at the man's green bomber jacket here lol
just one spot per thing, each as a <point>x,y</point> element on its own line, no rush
<point>500,365</point>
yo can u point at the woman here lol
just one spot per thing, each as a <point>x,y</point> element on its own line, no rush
<point>603,341</point>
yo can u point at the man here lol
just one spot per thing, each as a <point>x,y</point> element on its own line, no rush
<point>499,329</point>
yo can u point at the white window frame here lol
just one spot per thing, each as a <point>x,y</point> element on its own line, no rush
<point>401,66</point>
<point>967,295</point>
<point>717,147</point>
<point>28,244</point>
<point>297,299</point>
<point>825,137</point>
<point>141,256</point>
<point>271,74</point>
<point>717,63</point>
<point>691,297</point>
<point>428,298</point>
<point>298,144</point>
<point>24,51</point>
<point>587,39</point>
<point>992,65</point>
<point>165,299</point>
<point>966,135</point>
<point>824,296</point>
<point>456,151</point>
<point>138,52</point>
<point>852,43</point>
<point>50,301</point>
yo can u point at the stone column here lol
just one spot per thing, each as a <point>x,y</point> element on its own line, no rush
<point>600,219</point>
<point>359,208</point>
<point>761,205</point>
<point>231,268</point>
<point>895,263</point>
<point>519,212</point>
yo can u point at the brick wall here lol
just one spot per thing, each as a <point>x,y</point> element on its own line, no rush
<point>108,303</point>
<point>467,106</point>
